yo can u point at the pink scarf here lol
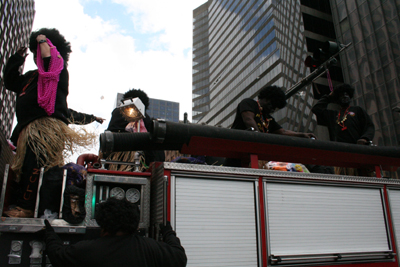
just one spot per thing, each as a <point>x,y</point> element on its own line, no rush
<point>48,81</point>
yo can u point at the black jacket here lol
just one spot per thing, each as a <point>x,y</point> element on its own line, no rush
<point>25,86</point>
<point>128,250</point>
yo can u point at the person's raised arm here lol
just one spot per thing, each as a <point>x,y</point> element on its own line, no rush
<point>13,79</point>
<point>175,255</point>
<point>44,46</point>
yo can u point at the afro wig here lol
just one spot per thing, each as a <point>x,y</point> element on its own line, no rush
<point>58,40</point>
<point>275,94</point>
<point>116,215</point>
<point>133,93</point>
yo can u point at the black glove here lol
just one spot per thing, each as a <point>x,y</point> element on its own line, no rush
<point>165,228</point>
<point>39,235</point>
<point>49,228</point>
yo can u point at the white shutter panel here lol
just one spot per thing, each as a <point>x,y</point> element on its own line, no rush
<point>316,219</point>
<point>216,222</point>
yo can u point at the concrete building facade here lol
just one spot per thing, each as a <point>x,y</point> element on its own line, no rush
<point>16,19</point>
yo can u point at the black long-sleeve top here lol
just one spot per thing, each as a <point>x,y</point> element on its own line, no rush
<point>127,250</point>
<point>25,86</point>
<point>76,117</point>
<point>358,123</point>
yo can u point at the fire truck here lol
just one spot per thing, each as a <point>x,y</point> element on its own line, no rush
<point>237,216</point>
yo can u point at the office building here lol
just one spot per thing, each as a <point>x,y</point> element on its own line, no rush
<point>16,19</point>
<point>163,109</point>
<point>200,90</point>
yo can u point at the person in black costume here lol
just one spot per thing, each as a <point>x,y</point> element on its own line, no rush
<point>119,244</point>
<point>42,133</point>
<point>118,124</point>
<point>33,118</point>
<point>255,116</point>
<point>349,124</point>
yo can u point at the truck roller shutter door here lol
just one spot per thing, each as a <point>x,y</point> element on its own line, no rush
<point>317,219</point>
<point>216,222</point>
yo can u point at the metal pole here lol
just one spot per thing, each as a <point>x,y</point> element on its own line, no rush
<point>315,74</point>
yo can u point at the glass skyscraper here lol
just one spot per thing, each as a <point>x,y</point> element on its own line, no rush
<point>200,96</point>
<point>252,44</point>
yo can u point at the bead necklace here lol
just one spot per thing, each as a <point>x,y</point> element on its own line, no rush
<point>264,124</point>
<point>341,123</point>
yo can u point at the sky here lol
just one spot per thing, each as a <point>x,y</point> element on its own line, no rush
<point>118,45</point>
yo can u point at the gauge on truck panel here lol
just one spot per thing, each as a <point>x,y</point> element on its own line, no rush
<point>132,195</point>
<point>117,192</point>
<point>16,246</point>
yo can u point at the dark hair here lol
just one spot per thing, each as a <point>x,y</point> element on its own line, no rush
<point>137,93</point>
<point>116,215</point>
<point>340,89</point>
<point>275,94</point>
<point>56,39</point>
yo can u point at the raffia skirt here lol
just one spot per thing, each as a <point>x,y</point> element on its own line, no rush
<point>51,140</point>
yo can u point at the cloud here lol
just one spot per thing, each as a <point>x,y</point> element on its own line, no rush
<point>105,60</point>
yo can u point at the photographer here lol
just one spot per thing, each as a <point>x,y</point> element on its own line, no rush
<point>119,245</point>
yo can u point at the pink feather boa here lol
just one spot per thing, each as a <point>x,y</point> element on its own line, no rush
<point>48,81</point>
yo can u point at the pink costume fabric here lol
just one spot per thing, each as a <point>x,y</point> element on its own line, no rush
<point>48,81</point>
<point>132,127</point>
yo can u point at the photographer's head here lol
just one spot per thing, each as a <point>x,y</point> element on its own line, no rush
<point>117,217</point>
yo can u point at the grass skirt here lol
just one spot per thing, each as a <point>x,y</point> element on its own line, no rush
<point>51,140</point>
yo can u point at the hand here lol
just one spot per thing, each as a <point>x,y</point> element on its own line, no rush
<point>165,228</point>
<point>22,52</point>
<point>309,135</point>
<point>362,142</point>
<point>41,37</point>
<point>99,120</point>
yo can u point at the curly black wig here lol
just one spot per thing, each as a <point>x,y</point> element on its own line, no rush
<point>133,93</point>
<point>56,39</point>
<point>116,215</point>
<point>275,94</point>
<point>340,89</point>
